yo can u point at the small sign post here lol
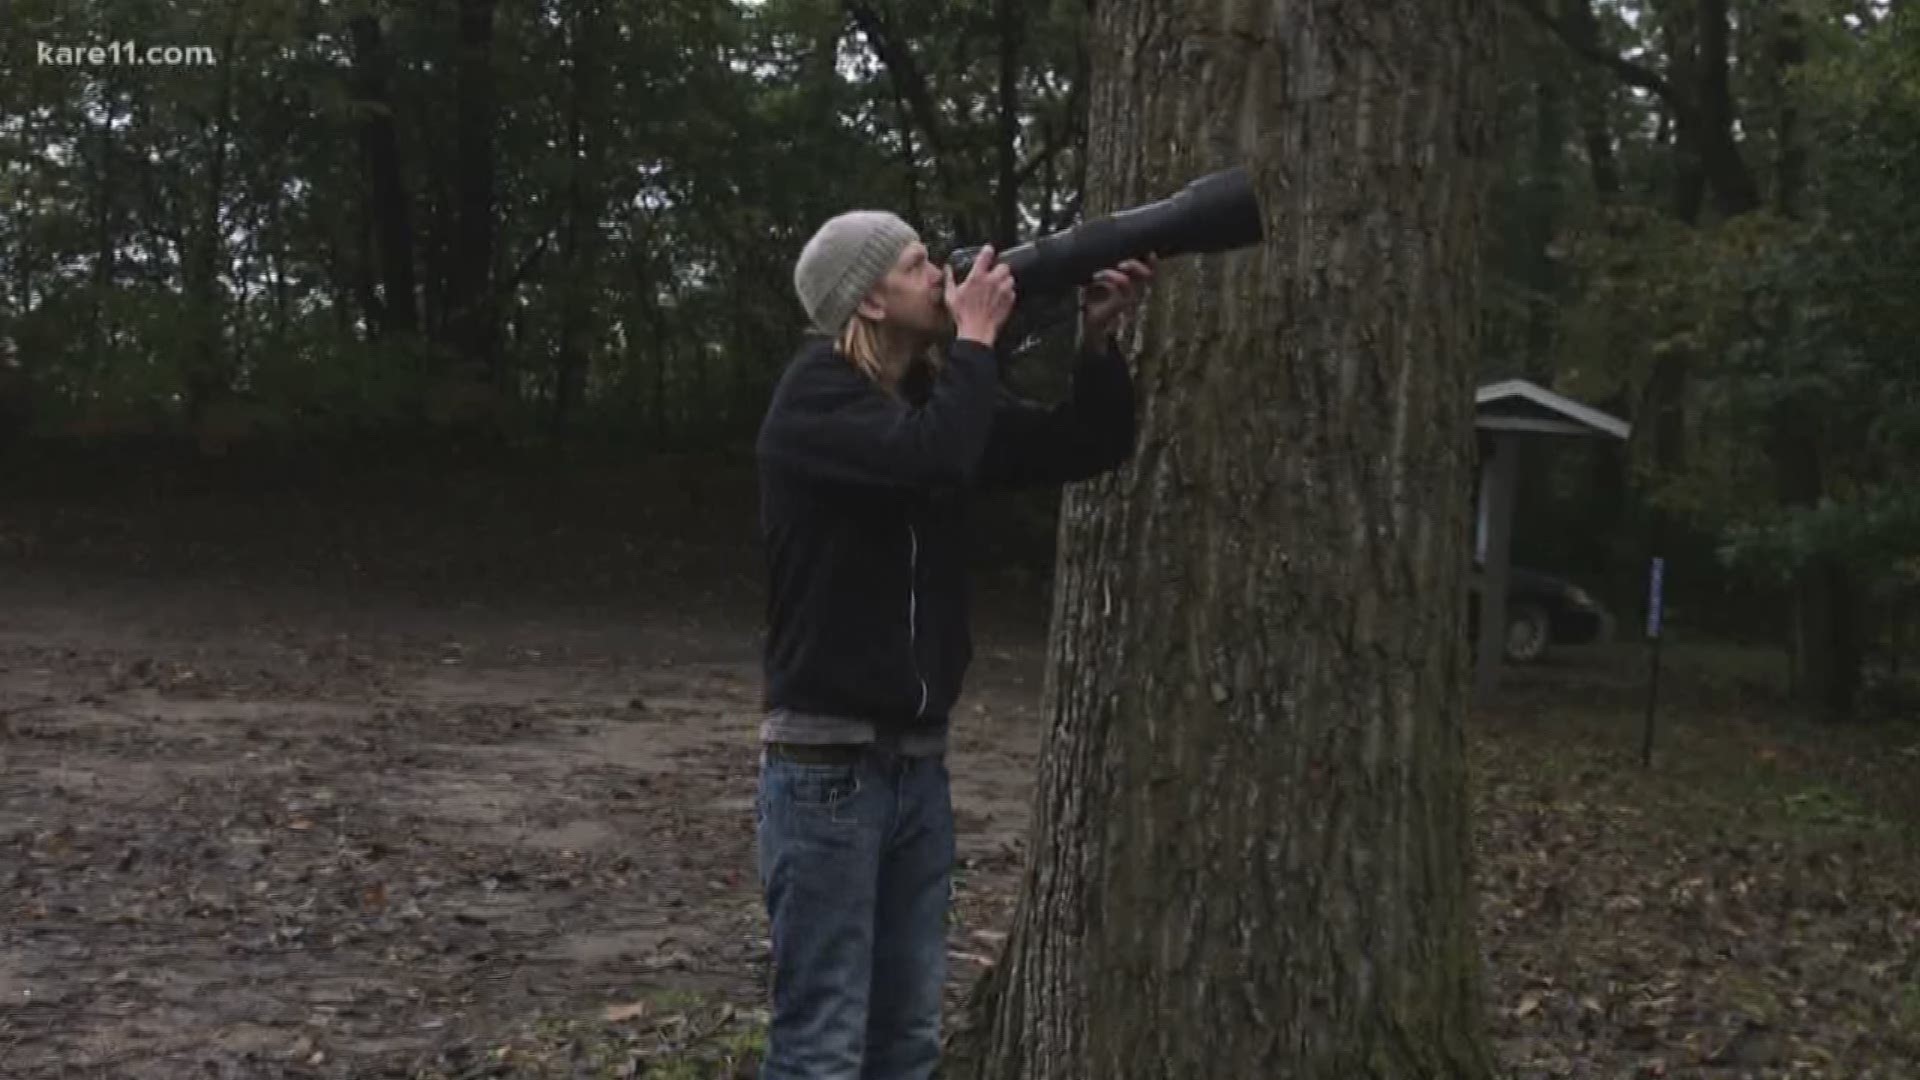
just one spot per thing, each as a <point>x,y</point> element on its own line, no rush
<point>1655,585</point>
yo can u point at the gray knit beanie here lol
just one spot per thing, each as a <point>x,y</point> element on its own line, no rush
<point>845,259</point>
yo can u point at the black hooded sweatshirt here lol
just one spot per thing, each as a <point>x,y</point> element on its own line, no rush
<point>863,512</point>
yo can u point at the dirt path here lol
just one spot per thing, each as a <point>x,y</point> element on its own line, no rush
<point>249,834</point>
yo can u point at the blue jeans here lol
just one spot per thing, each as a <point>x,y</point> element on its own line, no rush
<point>855,862</point>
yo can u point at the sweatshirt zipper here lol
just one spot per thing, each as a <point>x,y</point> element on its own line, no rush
<point>913,614</point>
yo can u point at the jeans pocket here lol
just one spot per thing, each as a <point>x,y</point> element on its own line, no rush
<point>808,787</point>
<point>821,787</point>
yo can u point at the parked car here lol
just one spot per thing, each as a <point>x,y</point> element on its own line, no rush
<point>1543,611</point>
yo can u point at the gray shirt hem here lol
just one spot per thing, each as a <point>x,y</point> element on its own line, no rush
<point>790,726</point>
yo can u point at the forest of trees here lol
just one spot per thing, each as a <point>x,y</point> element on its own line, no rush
<point>576,222</point>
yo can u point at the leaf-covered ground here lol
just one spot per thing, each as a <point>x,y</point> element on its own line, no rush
<point>268,811</point>
<point>1748,906</point>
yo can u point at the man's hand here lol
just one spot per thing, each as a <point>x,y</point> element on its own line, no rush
<point>1116,292</point>
<point>981,304</point>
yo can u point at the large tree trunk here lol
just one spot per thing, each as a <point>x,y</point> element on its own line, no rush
<point>471,315</point>
<point>1828,607</point>
<point>580,238</point>
<point>1250,853</point>
<point>1726,167</point>
<point>1583,33</point>
<point>392,220</point>
<point>1828,633</point>
<point>208,375</point>
<point>1006,187</point>
<point>1545,200</point>
<point>106,235</point>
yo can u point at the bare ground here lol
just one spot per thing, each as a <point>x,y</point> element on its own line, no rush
<point>288,835</point>
<point>263,820</point>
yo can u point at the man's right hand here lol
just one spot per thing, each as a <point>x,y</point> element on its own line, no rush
<point>981,304</point>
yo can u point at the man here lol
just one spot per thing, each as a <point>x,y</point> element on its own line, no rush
<point>875,434</point>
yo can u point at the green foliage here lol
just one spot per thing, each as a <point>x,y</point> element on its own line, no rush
<point>179,238</point>
<point>1840,351</point>
<point>1764,350</point>
<point>656,167</point>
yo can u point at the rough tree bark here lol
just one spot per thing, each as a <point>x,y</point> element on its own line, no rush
<point>1250,845</point>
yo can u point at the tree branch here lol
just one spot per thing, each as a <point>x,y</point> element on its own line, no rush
<point>1727,169</point>
<point>908,80</point>
<point>1057,142</point>
<point>910,83</point>
<point>519,275</point>
<point>906,151</point>
<point>1037,161</point>
<point>1631,73</point>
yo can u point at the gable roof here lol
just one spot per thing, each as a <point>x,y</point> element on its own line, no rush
<point>1518,405</point>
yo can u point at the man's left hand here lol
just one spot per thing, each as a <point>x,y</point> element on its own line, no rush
<point>1113,293</point>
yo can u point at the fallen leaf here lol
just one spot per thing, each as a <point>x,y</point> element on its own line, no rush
<point>616,1014</point>
<point>665,960</point>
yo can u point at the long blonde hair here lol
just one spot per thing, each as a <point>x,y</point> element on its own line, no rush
<point>863,342</point>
